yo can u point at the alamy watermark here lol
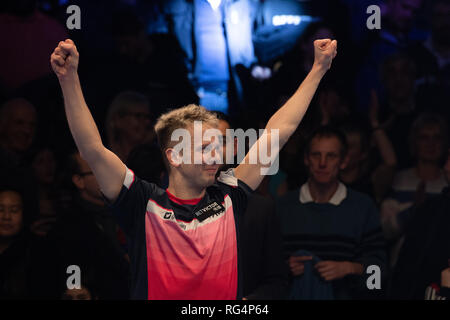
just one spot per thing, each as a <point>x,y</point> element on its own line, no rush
<point>374,21</point>
<point>207,147</point>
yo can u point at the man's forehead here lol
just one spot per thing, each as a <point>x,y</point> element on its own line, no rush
<point>325,144</point>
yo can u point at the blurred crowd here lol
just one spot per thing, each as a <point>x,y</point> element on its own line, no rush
<point>376,131</point>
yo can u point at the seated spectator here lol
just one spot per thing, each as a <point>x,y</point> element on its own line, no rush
<point>428,141</point>
<point>399,108</point>
<point>128,123</point>
<point>43,164</point>
<point>334,223</point>
<point>425,255</point>
<point>15,244</point>
<point>364,172</point>
<point>86,235</point>
<point>18,121</point>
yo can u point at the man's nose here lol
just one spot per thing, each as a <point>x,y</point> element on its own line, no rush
<point>323,162</point>
<point>5,216</point>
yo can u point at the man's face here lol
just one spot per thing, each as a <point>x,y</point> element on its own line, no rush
<point>430,144</point>
<point>44,166</point>
<point>403,13</point>
<point>135,124</point>
<point>324,160</point>
<point>21,126</point>
<point>87,183</point>
<point>399,80</point>
<point>11,214</point>
<point>202,174</point>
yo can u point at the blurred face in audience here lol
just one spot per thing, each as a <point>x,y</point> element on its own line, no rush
<point>429,144</point>
<point>19,126</point>
<point>403,12</point>
<point>135,124</point>
<point>44,166</point>
<point>11,214</point>
<point>132,46</point>
<point>399,80</point>
<point>325,160</point>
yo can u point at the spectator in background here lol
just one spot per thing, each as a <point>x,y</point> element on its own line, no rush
<point>399,109</point>
<point>333,223</point>
<point>30,37</point>
<point>86,235</point>
<point>128,123</point>
<point>43,164</point>
<point>152,64</point>
<point>18,122</point>
<point>432,58</point>
<point>398,17</point>
<point>428,141</point>
<point>425,255</point>
<point>16,250</point>
<point>146,162</point>
<point>433,55</point>
<point>265,276</point>
<point>364,171</point>
<point>331,107</point>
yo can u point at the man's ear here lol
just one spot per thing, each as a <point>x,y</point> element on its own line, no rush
<point>174,158</point>
<point>344,162</point>
<point>78,181</point>
<point>305,159</point>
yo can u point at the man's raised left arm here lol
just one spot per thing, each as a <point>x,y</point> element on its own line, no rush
<point>286,120</point>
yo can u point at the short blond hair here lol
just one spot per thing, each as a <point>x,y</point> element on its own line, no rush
<point>180,119</point>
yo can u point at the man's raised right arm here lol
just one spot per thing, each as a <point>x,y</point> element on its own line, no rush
<point>108,169</point>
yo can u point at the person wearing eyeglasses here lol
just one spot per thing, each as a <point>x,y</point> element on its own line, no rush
<point>85,234</point>
<point>128,123</point>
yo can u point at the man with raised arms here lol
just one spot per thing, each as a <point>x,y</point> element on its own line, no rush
<point>183,241</point>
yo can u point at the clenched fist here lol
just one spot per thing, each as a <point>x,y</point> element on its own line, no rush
<point>64,59</point>
<point>324,52</point>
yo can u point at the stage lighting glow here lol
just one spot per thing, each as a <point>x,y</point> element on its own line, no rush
<point>214,4</point>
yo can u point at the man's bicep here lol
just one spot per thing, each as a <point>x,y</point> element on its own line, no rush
<point>110,172</point>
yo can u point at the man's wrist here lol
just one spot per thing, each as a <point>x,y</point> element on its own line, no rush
<point>355,268</point>
<point>68,78</point>
<point>319,69</point>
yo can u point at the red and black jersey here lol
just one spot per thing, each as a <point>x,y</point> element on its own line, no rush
<point>183,249</point>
